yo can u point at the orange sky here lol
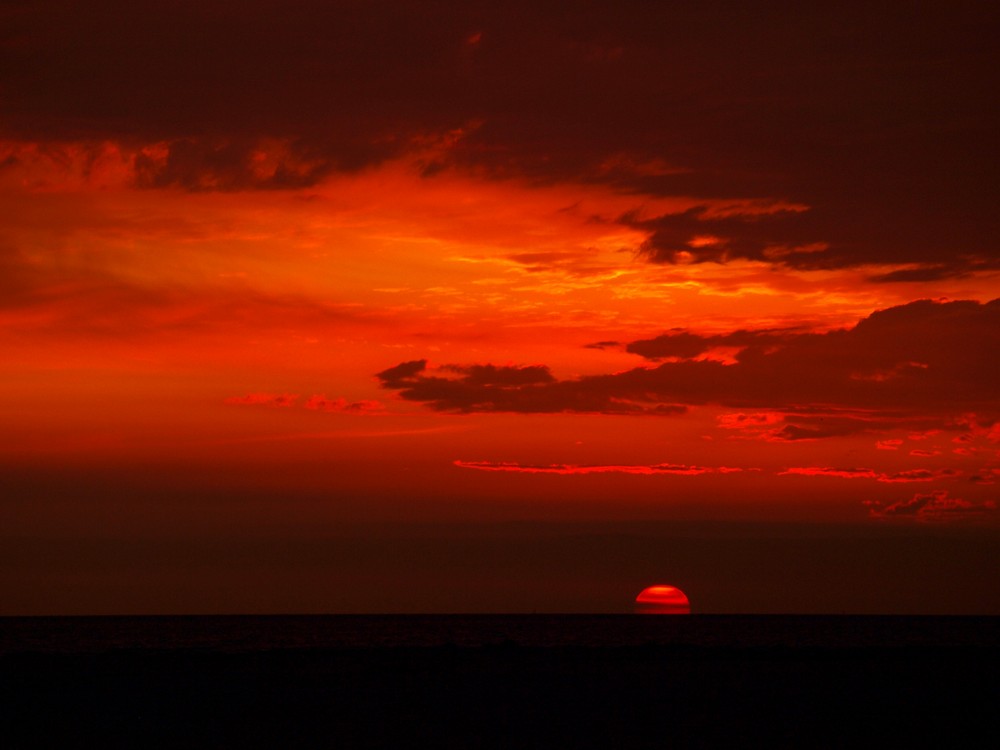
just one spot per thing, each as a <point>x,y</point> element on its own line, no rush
<point>242,306</point>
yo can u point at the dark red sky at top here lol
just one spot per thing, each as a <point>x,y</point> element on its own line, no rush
<point>449,306</point>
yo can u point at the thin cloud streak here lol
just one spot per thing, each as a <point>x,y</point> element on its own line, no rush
<point>566,469</point>
<point>912,475</point>
<point>933,507</point>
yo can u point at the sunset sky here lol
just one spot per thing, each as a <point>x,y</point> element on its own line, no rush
<point>456,306</point>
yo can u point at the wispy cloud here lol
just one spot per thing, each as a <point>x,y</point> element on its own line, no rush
<point>647,469</point>
<point>912,475</point>
<point>315,403</point>
<point>937,506</point>
<point>364,406</point>
<point>264,399</point>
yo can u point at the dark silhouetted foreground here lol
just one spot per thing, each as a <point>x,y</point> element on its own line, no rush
<point>503,694</point>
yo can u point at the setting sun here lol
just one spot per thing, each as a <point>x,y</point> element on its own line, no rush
<point>662,600</point>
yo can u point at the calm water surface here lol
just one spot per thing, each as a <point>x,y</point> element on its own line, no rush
<point>256,633</point>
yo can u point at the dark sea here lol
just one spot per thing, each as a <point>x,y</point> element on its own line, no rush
<point>245,633</point>
<point>499,681</point>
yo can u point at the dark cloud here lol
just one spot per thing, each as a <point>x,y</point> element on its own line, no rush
<point>817,428</point>
<point>916,366</point>
<point>227,164</point>
<point>402,374</point>
<point>488,388</point>
<point>699,236</point>
<point>685,345</point>
<point>801,422</point>
<point>959,267</point>
<point>675,344</point>
<point>826,236</point>
<point>163,69</point>
<point>880,120</point>
<point>503,377</point>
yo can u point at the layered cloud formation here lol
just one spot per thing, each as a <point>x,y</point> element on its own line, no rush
<point>311,184</point>
<point>917,365</point>
<point>710,100</point>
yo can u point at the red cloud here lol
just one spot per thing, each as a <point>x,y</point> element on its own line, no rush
<point>316,403</point>
<point>986,476</point>
<point>920,475</point>
<point>889,445</point>
<point>914,475</point>
<point>933,506</point>
<point>677,469</point>
<point>365,406</point>
<point>826,471</point>
<point>264,399</point>
<point>752,422</point>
